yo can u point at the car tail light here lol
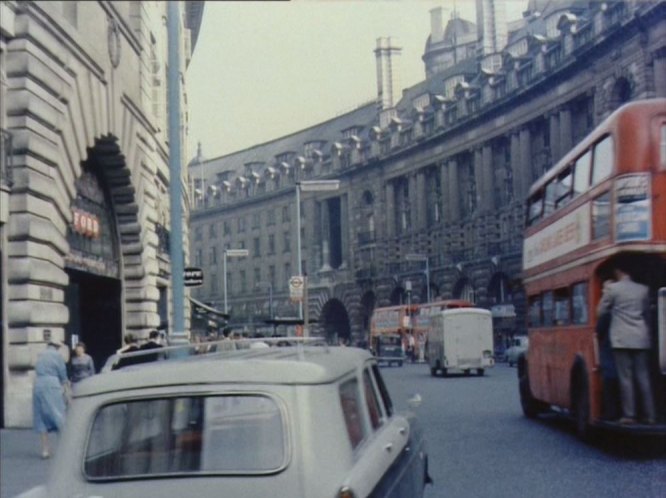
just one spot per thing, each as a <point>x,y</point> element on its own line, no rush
<point>346,492</point>
<point>487,354</point>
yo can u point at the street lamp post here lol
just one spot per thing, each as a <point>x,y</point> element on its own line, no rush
<point>422,257</point>
<point>230,253</point>
<point>308,186</point>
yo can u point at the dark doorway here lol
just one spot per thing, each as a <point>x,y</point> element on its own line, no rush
<point>95,314</point>
<point>336,321</point>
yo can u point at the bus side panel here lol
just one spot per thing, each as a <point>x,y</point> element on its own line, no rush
<point>551,357</point>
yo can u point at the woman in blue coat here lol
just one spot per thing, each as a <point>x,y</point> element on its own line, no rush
<point>48,395</point>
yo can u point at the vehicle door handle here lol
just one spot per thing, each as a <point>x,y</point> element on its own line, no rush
<point>402,430</point>
<point>389,447</point>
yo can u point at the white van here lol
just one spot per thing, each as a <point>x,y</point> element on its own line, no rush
<point>461,339</point>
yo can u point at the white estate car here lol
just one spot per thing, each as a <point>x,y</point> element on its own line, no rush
<point>291,421</point>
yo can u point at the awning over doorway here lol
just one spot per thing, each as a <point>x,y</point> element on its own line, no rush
<point>202,307</point>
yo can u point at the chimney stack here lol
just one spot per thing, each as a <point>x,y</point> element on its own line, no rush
<point>436,26</point>
<point>388,87</point>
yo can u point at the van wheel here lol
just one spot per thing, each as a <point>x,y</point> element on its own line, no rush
<point>480,372</point>
<point>444,372</point>
<point>467,371</point>
<point>433,371</point>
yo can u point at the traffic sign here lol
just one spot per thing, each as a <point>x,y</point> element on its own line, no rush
<point>296,286</point>
<point>193,277</point>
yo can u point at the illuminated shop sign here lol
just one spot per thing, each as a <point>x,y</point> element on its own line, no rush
<point>85,224</point>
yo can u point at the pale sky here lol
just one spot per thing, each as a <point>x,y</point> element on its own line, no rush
<point>264,69</point>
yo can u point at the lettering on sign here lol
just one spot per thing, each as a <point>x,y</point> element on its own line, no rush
<point>85,223</point>
<point>559,238</point>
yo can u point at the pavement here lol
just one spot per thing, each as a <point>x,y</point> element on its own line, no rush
<point>21,465</point>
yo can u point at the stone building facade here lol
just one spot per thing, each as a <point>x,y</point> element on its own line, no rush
<point>443,172</point>
<point>85,222</point>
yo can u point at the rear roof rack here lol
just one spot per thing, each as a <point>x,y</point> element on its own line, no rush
<point>203,350</point>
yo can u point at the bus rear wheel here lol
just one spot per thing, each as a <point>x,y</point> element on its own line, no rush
<point>580,405</point>
<point>531,407</point>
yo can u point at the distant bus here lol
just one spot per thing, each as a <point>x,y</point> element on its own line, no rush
<point>389,329</point>
<point>605,199</point>
<point>409,319</point>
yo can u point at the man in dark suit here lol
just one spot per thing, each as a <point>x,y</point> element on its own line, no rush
<point>131,346</point>
<point>153,343</point>
<point>628,304</point>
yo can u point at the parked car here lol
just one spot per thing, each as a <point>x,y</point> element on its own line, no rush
<point>518,346</point>
<point>302,421</point>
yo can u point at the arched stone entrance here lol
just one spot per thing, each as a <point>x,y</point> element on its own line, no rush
<point>464,290</point>
<point>93,264</point>
<point>335,321</point>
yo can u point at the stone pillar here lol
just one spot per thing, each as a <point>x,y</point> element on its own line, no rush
<point>325,235</point>
<point>659,71</point>
<point>566,137</point>
<point>454,191</point>
<point>344,230</point>
<point>517,165</point>
<point>444,184</point>
<point>478,176</point>
<point>414,216</point>
<point>421,200</point>
<point>390,209</point>
<point>488,196</point>
<point>554,132</point>
<point>526,166</point>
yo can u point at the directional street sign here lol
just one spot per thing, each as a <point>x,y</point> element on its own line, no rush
<point>193,277</point>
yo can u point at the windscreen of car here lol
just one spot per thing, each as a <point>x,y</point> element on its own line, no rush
<point>231,434</point>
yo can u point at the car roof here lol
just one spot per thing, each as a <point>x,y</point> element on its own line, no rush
<point>291,365</point>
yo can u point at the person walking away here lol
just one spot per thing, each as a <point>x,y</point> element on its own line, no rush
<point>49,394</point>
<point>610,394</point>
<point>628,304</point>
<point>153,343</point>
<point>82,364</point>
<point>130,347</point>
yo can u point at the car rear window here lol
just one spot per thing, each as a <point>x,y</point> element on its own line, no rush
<point>233,434</point>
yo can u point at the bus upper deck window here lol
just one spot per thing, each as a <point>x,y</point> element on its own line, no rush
<point>582,173</point>
<point>551,196</point>
<point>535,208</point>
<point>603,160</point>
<point>563,191</point>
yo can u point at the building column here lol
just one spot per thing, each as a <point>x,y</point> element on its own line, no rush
<point>454,191</point>
<point>659,71</point>
<point>390,209</point>
<point>488,195</point>
<point>421,199</point>
<point>414,217</point>
<point>444,184</point>
<point>517,165</point>
<point>344,230</point>
<point>478,177</point>
<point>566,138</point>
<point>554,132</point>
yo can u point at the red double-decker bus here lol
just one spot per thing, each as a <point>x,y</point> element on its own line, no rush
<point>603,201</point>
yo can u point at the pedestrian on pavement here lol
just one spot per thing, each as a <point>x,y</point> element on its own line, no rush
<point>82,364</point>
<point>628,304</point>
<point>49,394</point>
<point>131,346</point>
<point>152,343</point>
